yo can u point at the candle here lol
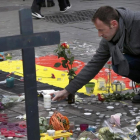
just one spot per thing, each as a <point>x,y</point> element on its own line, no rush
<point>47,101</point>
<point>10,82</point>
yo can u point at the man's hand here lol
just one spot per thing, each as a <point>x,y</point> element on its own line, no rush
<point>60,95</point>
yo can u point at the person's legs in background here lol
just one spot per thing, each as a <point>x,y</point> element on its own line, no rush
<point>50,3</point>
<point>64,5</point>
<point>43,4</point>
<point>36,9</point>
<point>134,72</point>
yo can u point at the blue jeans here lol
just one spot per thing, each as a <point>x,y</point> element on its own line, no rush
<point>134,67</point>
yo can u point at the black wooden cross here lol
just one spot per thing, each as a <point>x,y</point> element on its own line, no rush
<point>27,41</point>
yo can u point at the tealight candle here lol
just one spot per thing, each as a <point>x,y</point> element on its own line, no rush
<point>135,108</point>
<point>99,102</point>
<point>110,107</point>
<point>80,108</point>
<point>98,120</point>
<point>97,113</point>
<point>129,106</point>
<point>62,74</point>
<point>39,78</point>
<point>53,109</point>
<point>90,110</point>
<point>58,79</point>
<point>134,114</point>
<point>51,132</point>
<point>87,114</point>
<point>86,110</point>
<point>124,113</point>
<point>117,104</point>
<point>111,103</point>
<point>107,116</point>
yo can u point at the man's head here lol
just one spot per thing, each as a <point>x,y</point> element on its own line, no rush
<point>106,21</point>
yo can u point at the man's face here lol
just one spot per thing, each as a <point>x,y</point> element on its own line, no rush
<point>106,31</point>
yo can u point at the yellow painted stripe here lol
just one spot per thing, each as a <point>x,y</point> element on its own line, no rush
<point>44,75</point>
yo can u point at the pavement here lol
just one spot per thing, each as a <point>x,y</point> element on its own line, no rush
<point>82,36</point>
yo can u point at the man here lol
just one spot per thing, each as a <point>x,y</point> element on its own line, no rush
<point>120,31</point>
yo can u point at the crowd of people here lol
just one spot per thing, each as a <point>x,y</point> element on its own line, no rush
<point>64,5</point>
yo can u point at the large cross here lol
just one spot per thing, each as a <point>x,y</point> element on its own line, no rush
<point>27,41</point>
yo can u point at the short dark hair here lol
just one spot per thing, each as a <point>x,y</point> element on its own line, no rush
<point>106,14</point>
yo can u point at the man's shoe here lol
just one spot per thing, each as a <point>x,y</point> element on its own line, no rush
<point>37,15</point>
<point>136,99</point>
<point>50,4</point>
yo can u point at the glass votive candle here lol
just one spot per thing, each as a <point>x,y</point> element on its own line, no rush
<point>72,125</point>
<point>83,127</point>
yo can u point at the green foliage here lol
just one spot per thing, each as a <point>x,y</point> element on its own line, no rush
<point>105,134</point>
<point>67,62</point>
<point>118,96</point>
<point>57,65</point>
<point>43,126</point>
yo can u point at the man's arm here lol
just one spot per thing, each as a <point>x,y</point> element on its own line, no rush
<point>91,69</point>
<point>87,73</point>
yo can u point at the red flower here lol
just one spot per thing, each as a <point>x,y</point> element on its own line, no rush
<point>100,98</point>
<point>109,62</point>
<point>53,76</point>
<point>64,45</point>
